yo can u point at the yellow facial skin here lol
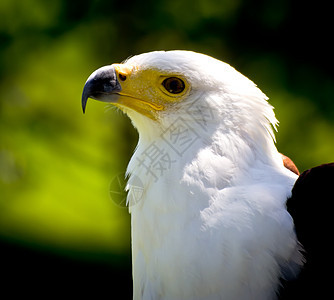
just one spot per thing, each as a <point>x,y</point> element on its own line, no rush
<point>143,90</point>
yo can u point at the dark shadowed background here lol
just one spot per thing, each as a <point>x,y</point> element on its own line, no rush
<point>61,231</point>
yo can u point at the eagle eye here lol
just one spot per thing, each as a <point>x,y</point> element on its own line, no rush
<point>122,77</point>
<point>174,85</point>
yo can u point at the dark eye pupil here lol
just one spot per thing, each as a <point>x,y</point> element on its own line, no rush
<point>174,85</point>
<point>122,77</point>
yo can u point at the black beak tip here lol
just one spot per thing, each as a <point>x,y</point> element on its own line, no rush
<point>84,102</point>
<point>86,93</point>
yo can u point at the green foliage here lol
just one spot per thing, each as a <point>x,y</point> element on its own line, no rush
<point>56,164</point>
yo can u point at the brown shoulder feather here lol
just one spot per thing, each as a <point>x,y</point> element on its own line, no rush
<point>289,164</point>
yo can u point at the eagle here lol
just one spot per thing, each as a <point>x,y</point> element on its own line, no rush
<point>217,212</point>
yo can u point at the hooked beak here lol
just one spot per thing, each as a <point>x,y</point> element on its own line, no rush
<point>101,85</point>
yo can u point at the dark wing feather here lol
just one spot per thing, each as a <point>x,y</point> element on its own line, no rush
<point>311,208</point>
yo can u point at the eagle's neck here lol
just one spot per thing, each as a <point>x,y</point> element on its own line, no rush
<point>181,174</point>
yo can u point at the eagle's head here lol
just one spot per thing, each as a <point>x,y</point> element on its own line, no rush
<point>157,89</point>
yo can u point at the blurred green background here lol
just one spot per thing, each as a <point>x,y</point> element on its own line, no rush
<point>58,224</point>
